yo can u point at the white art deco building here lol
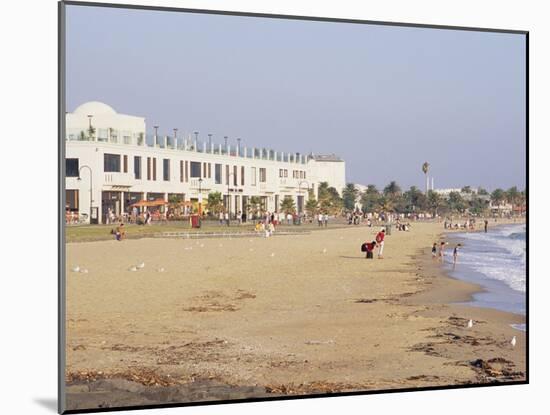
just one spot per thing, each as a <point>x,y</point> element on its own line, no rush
<point>111,164</point>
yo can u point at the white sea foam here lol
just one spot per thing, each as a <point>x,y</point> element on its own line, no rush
<point>499,254</point>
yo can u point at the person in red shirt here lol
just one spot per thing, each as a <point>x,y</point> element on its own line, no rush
<point>369,247</point>
<point>380,242</point>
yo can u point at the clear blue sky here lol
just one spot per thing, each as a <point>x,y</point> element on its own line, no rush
<point>384,98</point>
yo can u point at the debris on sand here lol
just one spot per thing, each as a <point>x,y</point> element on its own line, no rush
<point>316,342</point>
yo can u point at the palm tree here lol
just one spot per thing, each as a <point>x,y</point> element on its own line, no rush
<point>311,204</point>
<point>434,201</point>
<point>466,189</point>
<point>392,190</point>
<point>215,204</point>
<point>288,205</point>
<point>425,168</point>
<point>349,195</point>
<point>512,196</point>
<point>497,197</point>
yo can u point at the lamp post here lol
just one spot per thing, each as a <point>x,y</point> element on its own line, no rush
<point>196,140</point>
<point>209,140</point>
<point>238,147</point>
<point>200,196</point>
<point>300,189</point>
<point>91,186</point>
<point>175,137</point>
<point>229,196</point>
<point>225,140</point>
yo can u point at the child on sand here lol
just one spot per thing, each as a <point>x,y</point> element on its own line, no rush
<point>434,251</point>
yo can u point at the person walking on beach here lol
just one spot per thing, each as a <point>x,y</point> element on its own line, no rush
<point>442,251</point>
<point>486,224</point>
<point>325,218</point>
<point>221,217</point>
<point>380,242</point>
<point>320,219</point>
<point>227,218</point>
<point>434,251</point>
<point>455,254</point>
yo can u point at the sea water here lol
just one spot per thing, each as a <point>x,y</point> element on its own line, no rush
<point>495,260</point>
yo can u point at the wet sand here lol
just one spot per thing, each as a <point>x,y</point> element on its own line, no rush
<point>242,317</point>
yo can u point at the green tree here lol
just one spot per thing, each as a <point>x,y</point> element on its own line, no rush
<point>512,196</point>
<point>482,192</point>
<point>312,204</point>
<point>435,202</point>
<point>369,201</point>
<point>215,203</point>
<point>497,197</point>
<point>466,190</point>
<point>414,199</point>
<point>392,190</point>
<point>288,205</point>
<point>255,205</point>
<point>456,202</point>
<point>477,205</point>
<point>349,196</point>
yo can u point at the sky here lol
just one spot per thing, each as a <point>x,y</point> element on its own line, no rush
<point>383,98</point>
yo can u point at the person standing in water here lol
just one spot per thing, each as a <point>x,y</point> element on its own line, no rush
<point>434,251</point>
<point>455,254</point>
<point>486,223</point>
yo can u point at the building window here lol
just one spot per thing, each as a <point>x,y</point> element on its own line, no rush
<point>166,169</point>
<point>234,175</point>
<point>281,173</point>
<point>204,170</point>
<point>148,168</point>
<point>102,134</point>
<point>209,170</point>
<point>263,175</point>
<point>227,174</point>
<point>125,163</point>
<point>154,168</point>
<point>218,173</point>
<point>111,163</point>
<point>242,175</point>
<point>195,169</point>
<point>137,167</point>
<point>71,168</point>
<point>253,176</point>
<point>71,200</point>
<point>182,171</point>
<point>186,171</point>
<point>127,137</point>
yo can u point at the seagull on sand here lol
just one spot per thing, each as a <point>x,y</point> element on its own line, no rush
<point>132,268</point>
<point>84,271</point>
<point>76,269</point>
<point>140,265</point>
<point>470,323</point>
<point>160,269</point>
<point>513,342</point>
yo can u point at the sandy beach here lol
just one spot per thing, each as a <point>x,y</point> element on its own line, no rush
<point>253,317</point>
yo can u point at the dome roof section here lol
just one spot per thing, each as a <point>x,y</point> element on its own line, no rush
<point>94,108</point>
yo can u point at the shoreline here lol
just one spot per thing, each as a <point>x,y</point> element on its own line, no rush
<point>323,321</point>
<point>484,284</point>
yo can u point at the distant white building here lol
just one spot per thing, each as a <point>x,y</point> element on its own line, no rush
<point>111,164</point>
